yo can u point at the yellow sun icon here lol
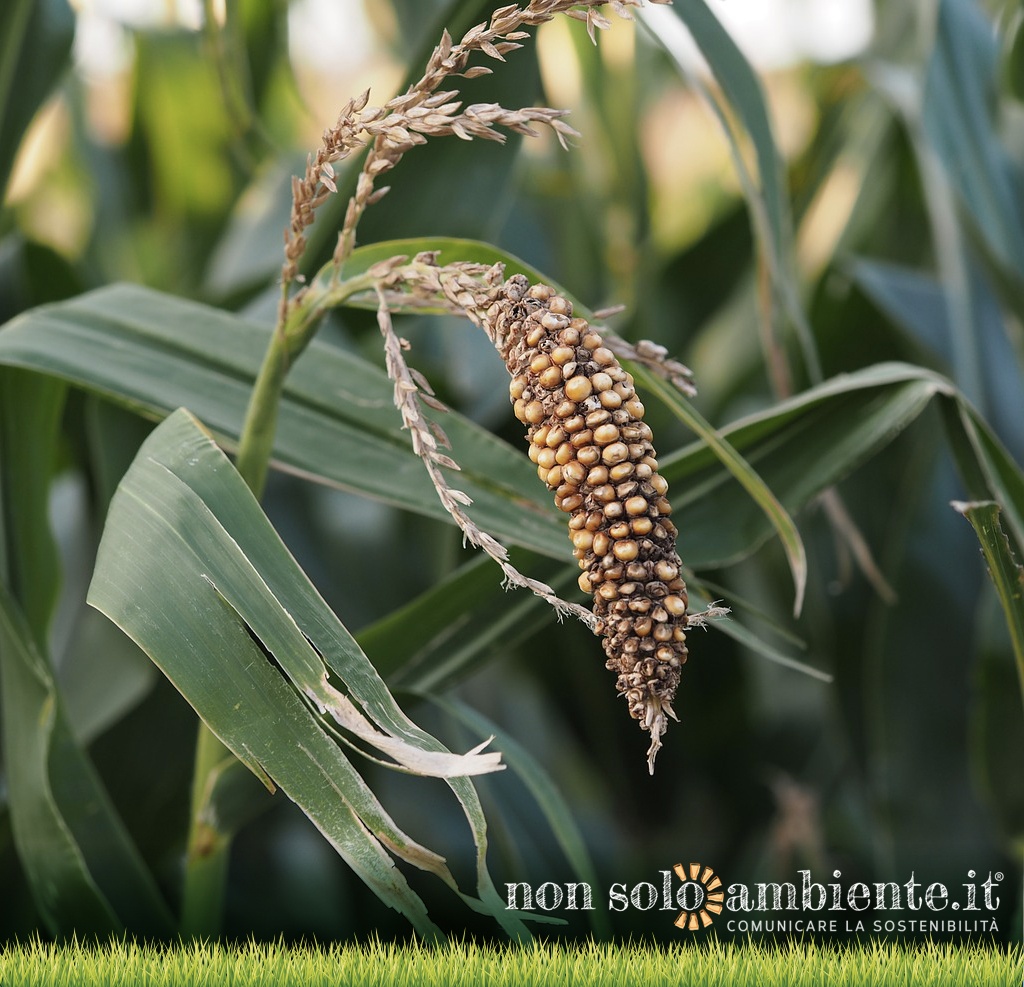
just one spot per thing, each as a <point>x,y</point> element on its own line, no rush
<point>700,896</point>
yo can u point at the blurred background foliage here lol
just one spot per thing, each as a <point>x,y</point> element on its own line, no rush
<point>154,144</point>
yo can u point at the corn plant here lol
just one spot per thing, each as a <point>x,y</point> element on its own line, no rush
<point>218,350</point>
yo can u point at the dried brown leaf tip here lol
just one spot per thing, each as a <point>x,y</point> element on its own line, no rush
<point>592,448</point>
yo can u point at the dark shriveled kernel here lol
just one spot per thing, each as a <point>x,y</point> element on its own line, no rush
<point>592,448</point>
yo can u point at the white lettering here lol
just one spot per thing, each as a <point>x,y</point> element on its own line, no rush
<point>739,899</point>
<point>666,890</point>
<point>617,899</point>
<point>776,892</point>
<point>972,894</point>
<point>895,896</point>
<point>858,893</point>
<point>988,884</point>
<point>542,896</point>
<point>690,896</point>
<point>808,888</point>
<point>636,896</point>
<point>588,905</point>
<point>935,897</point>
<point>512,896</point>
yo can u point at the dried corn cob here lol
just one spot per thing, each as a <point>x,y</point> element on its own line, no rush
<point>592,448</point>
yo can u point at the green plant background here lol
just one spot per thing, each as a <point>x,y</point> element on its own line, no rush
<point>876,365</point>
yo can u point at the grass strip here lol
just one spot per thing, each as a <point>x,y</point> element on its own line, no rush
<point>375,964</point>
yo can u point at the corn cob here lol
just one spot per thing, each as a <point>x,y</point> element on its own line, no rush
<point>591,447</point>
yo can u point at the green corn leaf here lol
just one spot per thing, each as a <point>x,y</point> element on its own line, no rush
<point>542,787</point>
<point>65,892</point>
<point>1004,569</point>
<point>921,305</point>
<point>998,727</point>
<point>101,676</point>
<point>997,718</point>
<point>84,870</point>
<point>743,89</point>
<point>988,470</point>
<point>767,198</point>
<point>35,47</point>
<point>85,873</point>
<point>446,631</point>
<point>190,568</point>
<point>31,274</point>
<point>798,447</point>
<point>1013,55</point>
<point>959,125</point>
<point>152,353</point>
<point>30,410</point>
<point>755,640</point>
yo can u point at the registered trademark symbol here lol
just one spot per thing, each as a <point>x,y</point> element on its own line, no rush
<point>999,875</point>
<point>956,905</point>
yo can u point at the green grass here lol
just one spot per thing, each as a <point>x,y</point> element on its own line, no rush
<point>37,964</point>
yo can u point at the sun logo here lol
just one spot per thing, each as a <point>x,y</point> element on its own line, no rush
<point>700,896</point>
